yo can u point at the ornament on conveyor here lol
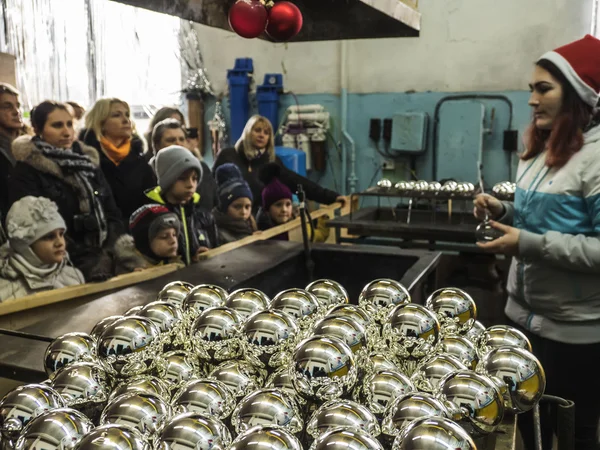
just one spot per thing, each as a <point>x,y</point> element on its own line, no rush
<point>267,339</point>
<point>348,330</point>
<point>430,371</point>
<point>404,186</point>
<point>240,377</point>
<point>247,301</point>
<point>101,325</point>
<point>202,297</point>
<point>384,185</point>
<point>193,431</point>
<point>67,349</point>
<point>378,389</point>
<point>461,348</point>
<point>175,292</point>
<point>403,410</point>
<point>455,309</point>
<point>169,319</point>
<point>302,305</point>
<point>178,367</point>
<point>412,333</point>
<point>343,439</point>
<point>504,190</point>
<point>268,437</point>
<point>215,335</point>
<point>142,384</point>
<point>267,407</point>
<point>282,379</point>
<point>113,437</point>
<point>205,396</point>
<point>328,292</point>
<point>438,433</point>
<point>379,297</point>
<point>342,414</point>
<point>498,336</point>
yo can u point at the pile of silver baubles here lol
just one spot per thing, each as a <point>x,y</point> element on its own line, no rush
<point>200,368</point>
<point>429,189</point>
<point>504,190</point>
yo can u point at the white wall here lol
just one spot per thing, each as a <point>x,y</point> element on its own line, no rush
<point>465,45</point>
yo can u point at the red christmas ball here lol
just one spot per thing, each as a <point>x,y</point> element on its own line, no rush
<point>285,21</point>
<point>248,18</point>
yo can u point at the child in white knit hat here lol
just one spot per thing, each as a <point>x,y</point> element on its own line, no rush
<point>35,257</point>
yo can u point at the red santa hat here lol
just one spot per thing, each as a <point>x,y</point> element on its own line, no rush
<point>579,62</point>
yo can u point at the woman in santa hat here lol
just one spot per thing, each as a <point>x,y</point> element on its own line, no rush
<point>552,232</point>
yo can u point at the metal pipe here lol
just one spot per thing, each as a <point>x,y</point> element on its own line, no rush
<point>352,179</point>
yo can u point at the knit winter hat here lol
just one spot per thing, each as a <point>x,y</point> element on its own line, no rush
<point>31,218</point>
<point>231,185</point>
<point>274,189</point>
<point>146,222</point>
<point>170,162</point>
<point>579,62</point>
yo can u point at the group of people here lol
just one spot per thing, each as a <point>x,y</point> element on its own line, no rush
<point>84,208</point>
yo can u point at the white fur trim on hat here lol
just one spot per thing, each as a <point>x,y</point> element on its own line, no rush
<point>585,92</point>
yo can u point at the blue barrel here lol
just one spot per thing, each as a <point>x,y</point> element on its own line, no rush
<point>267,97</point>
<point>293,159</point>
<point>238,79</point>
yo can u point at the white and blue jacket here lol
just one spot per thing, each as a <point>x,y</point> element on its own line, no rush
<point>554,283</point>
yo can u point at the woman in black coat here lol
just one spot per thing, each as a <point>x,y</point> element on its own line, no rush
<point>254,150</point>
<point>52,165</point>
<point>110,131</point>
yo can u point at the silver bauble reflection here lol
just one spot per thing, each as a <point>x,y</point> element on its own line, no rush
<point>129,344</point>
<point>377,390</point>
<point>475,332</point>
<point>240,377</point>
<point>522,373</point>
<point>449,188</point>
<point>328,292</point>
<point>113,437</point>
<point>430,371</point>
<point>215,334</point>
<point>379,361</point>
<point>175,292</point>
<point>348,330</point>
<point>478,399</point>
<point>433,433</point>
<point>24,403</point>
<point>142,384</point>
<point>165,315</point>
<point>193,431</point>
<point>282,379</point>
<point>461,348</point>
<point>267,338</point>
<point>133,311</point>
<point>344,439</point>
<point>303,306</point>
<point>434,187</point>
<point>354,312</point>
<point>67,349</point>
<point>177,367</point>
<point>455,309</point>
<point>261,438</point>
<point>59,429</point>
<point>384,184</point>
<point>144,412</point>
<point>267,407</point>
<point>498,336</point>
<point>403,186</point>
<point>380,296</point>
<point>208,397</point>
<point>204,296</point>
<point>409,407</point>
<point>82,383</point>
<point>421,186</point>
<point>101,325</point>
<point>344,414</point>
<point>247,301</point>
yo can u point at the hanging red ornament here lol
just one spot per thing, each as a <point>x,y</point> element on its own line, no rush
<point>248,18</point>
<point>285,21</point>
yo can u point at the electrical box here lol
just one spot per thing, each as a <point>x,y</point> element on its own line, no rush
<point>409,133</point>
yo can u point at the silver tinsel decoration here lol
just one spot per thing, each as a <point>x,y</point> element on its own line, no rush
<point>194,71</point>
<point>218,129</point>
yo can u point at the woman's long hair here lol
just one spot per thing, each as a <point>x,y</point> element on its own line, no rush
<point>245,140</point>
<point>566,136</point>
<point>95,118</point>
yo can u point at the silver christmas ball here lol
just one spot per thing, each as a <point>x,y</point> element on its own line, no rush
<point>113,437</point>
<point>353,312</point>
<point>455,309</point>
<point>323,368</point>
<point>208,397</point>
<point>193,431</point>
<point>268,337</point>
<point>128,345</point>
<point>240,377</point>
<point>403,410</point>
<point>328,292</point>
<point>215,334</point>
<point>59,429</point>
<point>379,361</point>
<point>428,374</point>
<point>433,433</point>
<point>24,403</point>
<point>380,388</point>
<point>461,348</point>
<point>421,186</point>
<point>344,414</point>
<point>384,184</point>
<point>144,412</point>
<point>282,379</point>
<point>343,439</point>
<point>165,315</point>
<point>261,438</point>
<point>177,367</point>
<point>67,349</point>
<point>303,306</point>
<point>348,330</point>
<point>134,311</point>
<point>267,407</point>
<point>380,296</point>
<point>247,301</point>
<point>520,371</point>
<point>403,186</point>
<point>101,325</point>
<point>476,397</point>
<point>204,296</point>
<point>175,292</point>
<point>82,383</point>
<point>434,187</point>
<point>449,188</point>
<point>142,384</point>
<point>502,336</point>
<point>475,332</point>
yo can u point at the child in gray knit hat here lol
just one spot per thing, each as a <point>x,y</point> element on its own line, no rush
<point>35,257</point>
<point>178,173</point>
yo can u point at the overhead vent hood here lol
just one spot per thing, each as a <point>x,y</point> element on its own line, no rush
<point>324,20</point>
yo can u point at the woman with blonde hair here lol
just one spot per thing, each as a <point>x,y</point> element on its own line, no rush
<point>109,129</point>
<point>254,150</point>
